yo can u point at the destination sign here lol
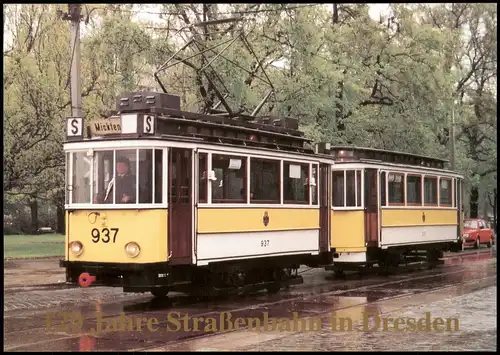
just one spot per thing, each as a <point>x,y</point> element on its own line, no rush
<point>107,126</point>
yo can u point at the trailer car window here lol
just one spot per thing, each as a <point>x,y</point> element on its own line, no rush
<point>445,192</point>
<point>382,188</point>
<point>203,177</point>
<point>430,191</point>
<point>338,188</point>
<point>396,189</point>
<point>414,189</point>
<point>314,185</point>
<point>350,188</point>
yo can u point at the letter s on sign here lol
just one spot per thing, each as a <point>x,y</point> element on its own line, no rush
<point>149,124</point>
<point>75,126</point>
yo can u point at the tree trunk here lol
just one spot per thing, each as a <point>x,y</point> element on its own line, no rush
<point>34,216</point>
<point>473,203</point>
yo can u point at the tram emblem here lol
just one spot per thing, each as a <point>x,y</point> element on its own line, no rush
<point>265,219</point>
<point>104,220</point>
<point>423,217</point>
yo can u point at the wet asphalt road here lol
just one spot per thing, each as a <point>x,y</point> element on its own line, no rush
<point>28,329</point>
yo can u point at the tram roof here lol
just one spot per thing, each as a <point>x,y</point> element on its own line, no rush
<point>350,153</point>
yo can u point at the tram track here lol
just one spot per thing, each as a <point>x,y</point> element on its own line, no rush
<point>350,277</point>
<point>280,301</point>
<point>64,285</point>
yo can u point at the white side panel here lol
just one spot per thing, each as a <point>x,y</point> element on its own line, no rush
<point>349,257</point>
<point>418,235</point>
<point>228,246</point>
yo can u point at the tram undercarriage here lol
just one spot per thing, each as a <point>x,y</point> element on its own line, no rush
<point>215,279</point>
<point>393,257</point>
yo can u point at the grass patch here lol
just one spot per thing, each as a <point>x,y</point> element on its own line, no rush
<point>31,246</point>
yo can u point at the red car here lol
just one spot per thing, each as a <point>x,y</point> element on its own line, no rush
<point>476,232</point>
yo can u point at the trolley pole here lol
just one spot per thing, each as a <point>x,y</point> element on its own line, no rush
<point>74,15</point>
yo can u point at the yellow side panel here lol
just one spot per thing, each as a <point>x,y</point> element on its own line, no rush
<point>413,217</point>
<point>148,228</point>
<point>348,230</point>
<point>223,220</point>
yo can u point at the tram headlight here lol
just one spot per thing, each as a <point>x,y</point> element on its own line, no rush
<point>132,249</point>
<point>76,248</point>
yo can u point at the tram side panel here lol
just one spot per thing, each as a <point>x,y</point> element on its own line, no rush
<point>402,226</point>
<point>348,236</point>
<point>225,234</point>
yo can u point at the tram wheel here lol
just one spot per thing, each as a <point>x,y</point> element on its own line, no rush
<point>159,291</point>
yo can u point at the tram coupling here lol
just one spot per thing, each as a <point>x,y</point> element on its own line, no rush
<point>85,279</point>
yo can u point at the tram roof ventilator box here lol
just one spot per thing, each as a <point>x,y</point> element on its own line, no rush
<point>142,101</point>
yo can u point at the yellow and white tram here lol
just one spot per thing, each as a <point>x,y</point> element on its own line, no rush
<point>160,199</point>
<point>388,205</point>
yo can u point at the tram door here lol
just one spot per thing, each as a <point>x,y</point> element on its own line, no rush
<point>325,207</point>
<point>371,207</point>
<point>180,205</point>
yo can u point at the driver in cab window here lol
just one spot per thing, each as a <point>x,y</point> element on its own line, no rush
<point>125,182</point>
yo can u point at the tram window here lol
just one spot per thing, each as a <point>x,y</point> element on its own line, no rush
<point>350,188</point>
<point>314,185</point>
<point>68,182</point>
<point>146,175</point>
<point>158,193</point>
<point>455,181</point>
<point>203,177</point>
<point>338,188</point>
<point>382,189</point>
<point>103,174</point>
<point>124,185</point>
<point>295,183</point>
<point>430,191</point>
<point>445,192</point>
<point>359,186</point>
<point>396,189</point>
<point>414,189</point>
<point>264,181</point>
<point>230,174</point>
<point>81,178</point>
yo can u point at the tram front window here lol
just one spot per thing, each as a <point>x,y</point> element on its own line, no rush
<point>80,187</point>
<point>116,179</point>
<point>103,174</point>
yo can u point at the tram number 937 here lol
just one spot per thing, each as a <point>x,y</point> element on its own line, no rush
<point>264,243</point>
<point>104,235</point>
